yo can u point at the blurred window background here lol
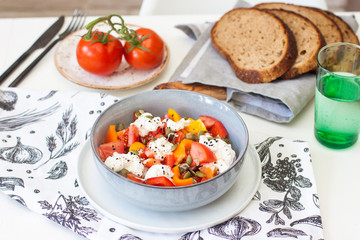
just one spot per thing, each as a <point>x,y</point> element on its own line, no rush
<point>44,8</point>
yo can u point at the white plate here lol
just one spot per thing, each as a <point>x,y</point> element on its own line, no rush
<point>100,195</point>
<point>124,77</point>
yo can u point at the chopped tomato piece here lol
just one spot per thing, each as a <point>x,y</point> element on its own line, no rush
<point>201,154</point>
<point>107,149</point>
<point>208,121</point>
<point>133,135</point>
<point>151,161</point>
<point>218,130</point>
<point>159,132</point>
<point>134,177</point>
<point>148,152</point>
<point>170,160</point>
<point>160,181</point>
<point>180,135</point>
<point>123,135</point>
<point>111,135</point>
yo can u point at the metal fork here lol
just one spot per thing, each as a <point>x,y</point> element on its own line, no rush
<point>77,22</point>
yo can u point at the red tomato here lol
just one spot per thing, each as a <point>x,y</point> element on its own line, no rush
<point>99,58</point>
<point>180,135</point>
<point>160,181</point>
<point>169,160</point>
<point>151,162</point>
<point>154,134</point>
<point>107,149</point>
<point>123,135</point>
<point>133,135</point>
<point>201,153</point>
<point>135,178</point>
<point>148,152</point>
<point>214,126</point>
<point>142,59</point>
<point>208,121</point>
<point>218,130</point>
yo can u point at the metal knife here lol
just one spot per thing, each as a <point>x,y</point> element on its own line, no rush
<point>41,42</point>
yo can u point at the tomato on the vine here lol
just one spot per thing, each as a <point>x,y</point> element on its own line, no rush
<point>147,58</point>
<point>100,58</point>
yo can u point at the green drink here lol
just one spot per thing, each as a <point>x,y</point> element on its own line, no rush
<point>337,114</point>
<point>337,95</point>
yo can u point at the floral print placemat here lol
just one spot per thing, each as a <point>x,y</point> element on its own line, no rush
<point>42,132</point>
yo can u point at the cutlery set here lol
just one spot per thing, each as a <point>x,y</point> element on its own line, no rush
<point>76,23</point>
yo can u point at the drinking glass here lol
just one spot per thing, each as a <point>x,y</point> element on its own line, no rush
<point>337,96</point>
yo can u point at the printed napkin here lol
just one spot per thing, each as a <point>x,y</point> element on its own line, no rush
<point>42,134</point>
<point>278,101</point>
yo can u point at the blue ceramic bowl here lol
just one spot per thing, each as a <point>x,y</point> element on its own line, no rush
<point>186,104</point>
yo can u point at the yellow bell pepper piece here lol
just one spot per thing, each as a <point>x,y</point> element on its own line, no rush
<point>177,180</point>
<point>195,126</point>
<point>111,135</point>
<point>136,146</point>
<point>180,151</point>
<point>173,115</point>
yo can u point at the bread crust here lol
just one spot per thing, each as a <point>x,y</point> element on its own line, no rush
<point>330,35</point>
<point>298,24</point>
<point>257,75</point>
<point>348,34</point>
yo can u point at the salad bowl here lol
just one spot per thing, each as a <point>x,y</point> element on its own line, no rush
<point>186,103</point>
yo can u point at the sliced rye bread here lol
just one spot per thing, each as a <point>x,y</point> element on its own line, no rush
<point>348,34</point>
<point>258,46</point>
<point>328,28</point>
<point>308,40</point>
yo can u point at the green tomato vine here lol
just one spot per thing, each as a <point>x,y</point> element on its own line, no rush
<point>125,34</point>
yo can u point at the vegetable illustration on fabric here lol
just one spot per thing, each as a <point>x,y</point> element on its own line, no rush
<point>69,212</point>
<point>8,100</point>
<point>21,153</point>
<point>28,117</point>
<point>236,228</point>
<point>284,175</point>
<point>66,131</point>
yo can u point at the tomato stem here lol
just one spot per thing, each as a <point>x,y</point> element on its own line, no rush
<point>126,34</point>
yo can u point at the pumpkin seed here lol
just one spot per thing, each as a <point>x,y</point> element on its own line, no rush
<point>194,181</point>
<point>139,112</point>
<point>200,174</point>
<point>187,175</point>
<point>123,172</point>
<point>173,147</point>
<point>201,132</point>
<point>226,140</point>
<point>183,167</point>
<point>189,160</point>
<point>120,127</point>
<point>192,172</point>
<point>134,152</point>
<point>191,136</point>
<point>167,131</point>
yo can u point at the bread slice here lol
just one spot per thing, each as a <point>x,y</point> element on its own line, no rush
<point>258,46</point>
<point>308,40</point>
<point>347,32</point>
<point>328,28</point>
